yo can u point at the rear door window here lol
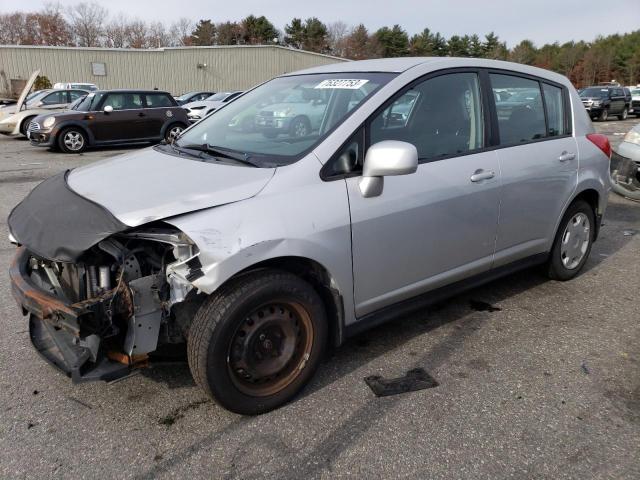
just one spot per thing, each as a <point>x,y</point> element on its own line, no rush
<point>157,100</point>
<point>519,109</point>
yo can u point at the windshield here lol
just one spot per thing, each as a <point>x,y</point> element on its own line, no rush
<point>635,91</point>
<point>595,92</point>
<point>186,96</point>
<point>90,102</point>
<point>280,120</point>
<point>218,97</point>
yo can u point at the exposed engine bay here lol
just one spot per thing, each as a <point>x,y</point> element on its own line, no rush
<point>125,296</point>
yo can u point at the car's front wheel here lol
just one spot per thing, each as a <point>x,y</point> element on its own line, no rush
<point>255,343</point>
<point>573,241</point>
<point>72,140</point>
<point>604,115</point>
<point>300,127</point>
<point>173,132</point>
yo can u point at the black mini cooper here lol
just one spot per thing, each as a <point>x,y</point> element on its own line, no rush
<point>110,117</point>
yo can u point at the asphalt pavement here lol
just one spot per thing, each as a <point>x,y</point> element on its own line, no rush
<point>537,379</point>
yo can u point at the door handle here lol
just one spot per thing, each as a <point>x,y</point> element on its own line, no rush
<point>141,114</point>
<point>480,175</point>
<point>566,156</point>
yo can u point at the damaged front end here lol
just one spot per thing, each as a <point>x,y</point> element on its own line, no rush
<point>99,316</point>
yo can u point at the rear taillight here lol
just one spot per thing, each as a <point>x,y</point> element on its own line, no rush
<point>602,142</point>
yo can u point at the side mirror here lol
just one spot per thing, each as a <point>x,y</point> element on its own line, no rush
<point>39,104</point>
<point>108,109</point>
<point>389,157</point>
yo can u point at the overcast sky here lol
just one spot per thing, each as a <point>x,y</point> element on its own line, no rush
<point>512,20</point>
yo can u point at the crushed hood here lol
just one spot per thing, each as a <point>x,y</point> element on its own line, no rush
<point>149,185</point>
<point>71,212</point>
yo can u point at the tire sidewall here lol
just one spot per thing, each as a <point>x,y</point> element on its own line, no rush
<point>297,121</point>
<point>24,126</point>
<point>63,147</point>
<point>218,376</point>
<point>557,268</point>
<point>171,127</point>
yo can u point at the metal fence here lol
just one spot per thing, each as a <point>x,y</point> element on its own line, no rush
<point>176,70</point>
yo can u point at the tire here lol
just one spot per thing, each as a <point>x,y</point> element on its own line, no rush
<point>300,127</point>
<point>72,140</point>
<point>24,126</point>
<point>173,131</point>
<point>624,114</point>
<point>284,321</point>
<point>604,115</point>
<point>567,258</point>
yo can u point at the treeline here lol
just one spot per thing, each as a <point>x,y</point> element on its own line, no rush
<point>90,25</point>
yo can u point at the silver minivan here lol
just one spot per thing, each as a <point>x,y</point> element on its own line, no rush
<point>425,176</point>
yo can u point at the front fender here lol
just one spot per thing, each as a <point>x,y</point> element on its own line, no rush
<point>288,219</point>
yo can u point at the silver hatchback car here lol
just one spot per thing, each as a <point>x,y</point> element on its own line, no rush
<point>425,176</point>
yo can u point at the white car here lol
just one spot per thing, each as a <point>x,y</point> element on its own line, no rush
<point>91,87</point>
<point>14,119</point>
<point>196,111</point>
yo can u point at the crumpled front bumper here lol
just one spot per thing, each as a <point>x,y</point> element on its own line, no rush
<point>56,328</point>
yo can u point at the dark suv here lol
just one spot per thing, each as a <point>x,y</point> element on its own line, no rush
<point>603,101</point>
<point>111,117</point>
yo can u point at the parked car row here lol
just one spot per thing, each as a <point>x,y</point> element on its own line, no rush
<point>71,119</point>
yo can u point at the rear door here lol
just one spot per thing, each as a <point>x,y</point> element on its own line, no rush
<point>156,113</point>
<point>538,165</point>
<point>438,225</point>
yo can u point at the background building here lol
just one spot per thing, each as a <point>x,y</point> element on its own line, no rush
<point>176,70</point>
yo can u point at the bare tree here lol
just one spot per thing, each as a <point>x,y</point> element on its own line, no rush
<point>157,35</point>
<point>87,23</point>
<point>53,27</point>
<point>337,37</point>
<point>11,27</point>
<point>116,32</point>
<point>136,34</point>
<point>180,33</point>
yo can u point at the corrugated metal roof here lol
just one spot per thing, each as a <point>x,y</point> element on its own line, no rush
<point>177,70</point>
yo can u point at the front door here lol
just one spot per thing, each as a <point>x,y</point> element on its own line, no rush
<point>437,225</point>
<point>123,123</point>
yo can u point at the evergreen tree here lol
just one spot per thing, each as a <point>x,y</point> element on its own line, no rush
<point>204,33</point>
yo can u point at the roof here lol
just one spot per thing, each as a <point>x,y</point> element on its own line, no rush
<point>402,64</point>
<point>168,49</point>
<point>130,90</point>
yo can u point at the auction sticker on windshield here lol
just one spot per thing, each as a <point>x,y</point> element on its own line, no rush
<point>348,83</point>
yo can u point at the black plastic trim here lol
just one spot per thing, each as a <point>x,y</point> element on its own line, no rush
<point>429,298</point>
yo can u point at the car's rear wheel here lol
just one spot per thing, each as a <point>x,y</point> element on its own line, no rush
<point>255,343</point>
<point>573,242</point>
<point>624,114</point>
<point>24,126</point>
<point>72,140</point>
<point>173,132</point>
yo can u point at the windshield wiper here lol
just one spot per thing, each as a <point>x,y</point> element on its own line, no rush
<point>219,152</point>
